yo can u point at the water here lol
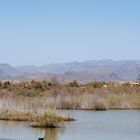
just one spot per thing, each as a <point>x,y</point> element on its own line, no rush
<point>108,125</point>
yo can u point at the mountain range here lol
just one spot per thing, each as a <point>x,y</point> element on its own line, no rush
<point>102,70</point>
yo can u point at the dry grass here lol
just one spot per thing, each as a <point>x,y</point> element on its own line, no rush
<point>47,119</point>
<point>39,97</point>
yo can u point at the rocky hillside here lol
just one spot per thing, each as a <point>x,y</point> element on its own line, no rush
<point>104,70</point>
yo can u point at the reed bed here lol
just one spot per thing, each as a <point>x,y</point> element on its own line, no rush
<point>47,119</point>
<point>43,96</point>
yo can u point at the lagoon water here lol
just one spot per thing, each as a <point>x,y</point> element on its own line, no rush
<point>102,125</point>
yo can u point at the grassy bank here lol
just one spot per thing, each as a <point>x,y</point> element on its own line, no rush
<point>41,96</point>
<point>47,119</point>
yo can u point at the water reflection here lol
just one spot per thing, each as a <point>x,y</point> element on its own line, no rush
<point>122,125</point>
<point>52,133</point>
<point>19,130</point>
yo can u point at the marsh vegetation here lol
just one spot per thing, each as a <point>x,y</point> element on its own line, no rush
<point>39,101</point>
<point>41,96</point>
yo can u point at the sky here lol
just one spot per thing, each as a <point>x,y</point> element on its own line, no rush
<point>38,32</point>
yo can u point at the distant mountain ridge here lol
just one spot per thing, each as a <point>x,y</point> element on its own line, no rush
<point>102,70</point>
<point>8,72</point>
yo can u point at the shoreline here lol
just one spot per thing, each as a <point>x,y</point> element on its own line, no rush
<point>98,109</point>
<point>44,96</point>
<point>44,120</point>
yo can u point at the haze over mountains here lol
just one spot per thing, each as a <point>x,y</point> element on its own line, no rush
<point>103,70</point>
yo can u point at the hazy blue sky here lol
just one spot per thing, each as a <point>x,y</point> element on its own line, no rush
<point>46,31</point>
